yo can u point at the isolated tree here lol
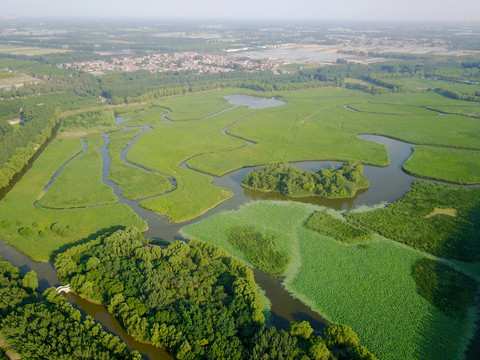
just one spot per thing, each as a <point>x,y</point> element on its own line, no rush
<point>30,280</point>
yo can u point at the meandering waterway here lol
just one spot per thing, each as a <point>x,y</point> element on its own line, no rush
<point>387,184</point>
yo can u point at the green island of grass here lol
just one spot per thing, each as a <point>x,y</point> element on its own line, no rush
<point>80,183</point>
<point>134,183</point>
<point>343,182</point>
<point>453,165</point>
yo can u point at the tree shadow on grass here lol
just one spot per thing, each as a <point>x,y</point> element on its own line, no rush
<point>464,241</point>
<point>447,325</point>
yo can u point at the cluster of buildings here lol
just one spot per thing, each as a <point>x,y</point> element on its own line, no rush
<point>193,61</point>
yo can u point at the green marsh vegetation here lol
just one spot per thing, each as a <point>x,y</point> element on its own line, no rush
<point>308,127</point>
<point>373,296</point>
<point>80,183</point>
<point>451,291</point>
<point>168,145</point>
<point>248,240</point>
<point>332,183</point>
<point>88,122</point>
<point>47,326</point>
<point>194,106</point>
<point>336,228</point>
<point>407,221</point>
<point>39,232</point>
<point>314,125</point>
<point>453,165</point>
<point>141,115</point>
<point>134,183</point>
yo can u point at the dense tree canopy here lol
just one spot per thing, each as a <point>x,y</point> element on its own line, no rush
<point>48,327</point>
<point>287,180</point>
<point>191,298</point>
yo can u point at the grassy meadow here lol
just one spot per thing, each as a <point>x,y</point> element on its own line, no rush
<point>315,125</point>
<point>195,106</point>
<point>349,283</point>
<point>134,183</point>
<point>141,115</point>
<point>80,183</point>
<point>168,145</point>
<point>453,165</point>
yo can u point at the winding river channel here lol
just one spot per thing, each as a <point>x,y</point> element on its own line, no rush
<point>387,184</point>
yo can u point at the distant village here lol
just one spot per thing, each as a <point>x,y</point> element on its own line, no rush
<point>182,61</point>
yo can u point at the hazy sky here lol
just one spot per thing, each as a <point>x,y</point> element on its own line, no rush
<point>415,10</point>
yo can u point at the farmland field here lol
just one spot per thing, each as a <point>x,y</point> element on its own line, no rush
<point>30,51</point>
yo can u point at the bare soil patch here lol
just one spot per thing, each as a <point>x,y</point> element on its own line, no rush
<point>438,211</point>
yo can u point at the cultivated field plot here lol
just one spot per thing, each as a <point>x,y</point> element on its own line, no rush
<point>15,79</point>
<point>396,317</point>
<point>30,51</point>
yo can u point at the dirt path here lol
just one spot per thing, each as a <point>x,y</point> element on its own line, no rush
<point>311,115</point>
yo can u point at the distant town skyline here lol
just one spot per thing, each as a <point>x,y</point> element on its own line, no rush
<point>367,10</point>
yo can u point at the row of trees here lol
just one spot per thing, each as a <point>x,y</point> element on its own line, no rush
<point>453,94</point>
<point>287,180</point>
<point>47,326</point>
<point>192,299</point>
<point>17,147</point>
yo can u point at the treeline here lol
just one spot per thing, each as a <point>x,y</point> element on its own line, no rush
<point>12,108</point>
<point>377,81</point>
<point>193,300</point>
<point>289,181</point>
<point>47,326</point>
<point>453,94</point>
<point>17,147</point>
<point>137,84</point>
<point>371,89</point>
<point>204,86</point>
<point>48,80</point>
